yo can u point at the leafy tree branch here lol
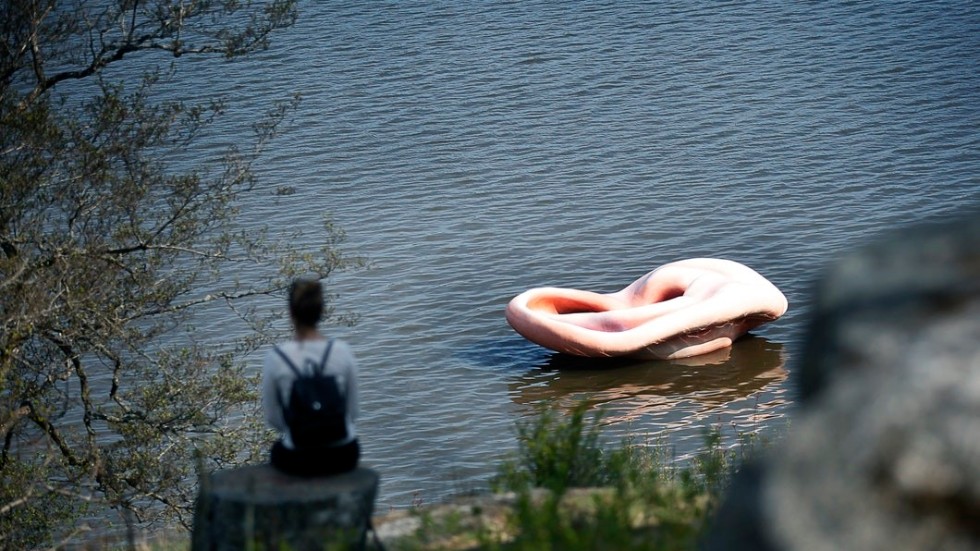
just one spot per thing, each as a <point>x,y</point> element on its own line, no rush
<point>111,255</point>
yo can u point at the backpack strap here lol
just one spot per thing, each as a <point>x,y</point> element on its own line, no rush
<point>319,369</point>
<point>286,359</point>
<point>326,355</point>
<point>292,366</point>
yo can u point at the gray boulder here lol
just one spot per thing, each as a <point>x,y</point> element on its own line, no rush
<point>885,450</point>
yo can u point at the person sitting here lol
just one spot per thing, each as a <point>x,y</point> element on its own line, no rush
<point>311,443</point>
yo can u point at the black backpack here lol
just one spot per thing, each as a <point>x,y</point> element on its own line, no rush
<point>316,413</point>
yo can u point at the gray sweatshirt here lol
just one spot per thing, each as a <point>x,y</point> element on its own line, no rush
<point>277,380</point>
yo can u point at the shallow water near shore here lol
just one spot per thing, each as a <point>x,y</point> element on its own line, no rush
<point>472,151</point>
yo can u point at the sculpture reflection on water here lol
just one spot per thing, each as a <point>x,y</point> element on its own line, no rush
<point>740,383</point>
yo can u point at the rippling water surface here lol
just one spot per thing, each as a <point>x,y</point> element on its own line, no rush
<point>474,150</point>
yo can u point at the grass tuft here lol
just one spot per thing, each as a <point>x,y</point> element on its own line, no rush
<point>647,500</point>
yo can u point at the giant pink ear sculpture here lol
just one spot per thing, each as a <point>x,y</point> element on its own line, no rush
<point>681,309</point>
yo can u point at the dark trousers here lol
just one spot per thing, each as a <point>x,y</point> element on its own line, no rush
<point>315,462</point>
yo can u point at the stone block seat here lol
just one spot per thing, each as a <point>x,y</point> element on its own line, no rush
<point>261,507</point>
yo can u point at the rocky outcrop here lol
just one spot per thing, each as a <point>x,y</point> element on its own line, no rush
<point>885,450</point>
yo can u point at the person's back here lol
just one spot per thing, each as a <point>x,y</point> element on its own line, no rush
<point>300,358</point>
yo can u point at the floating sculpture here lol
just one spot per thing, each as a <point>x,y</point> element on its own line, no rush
<point>681,309</point>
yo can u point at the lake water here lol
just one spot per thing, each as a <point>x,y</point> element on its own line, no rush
<point>474,150</point>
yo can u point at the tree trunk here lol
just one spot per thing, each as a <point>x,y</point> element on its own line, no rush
<point>262,508</point>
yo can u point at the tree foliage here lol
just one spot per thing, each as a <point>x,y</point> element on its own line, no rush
<point>109,252</point>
